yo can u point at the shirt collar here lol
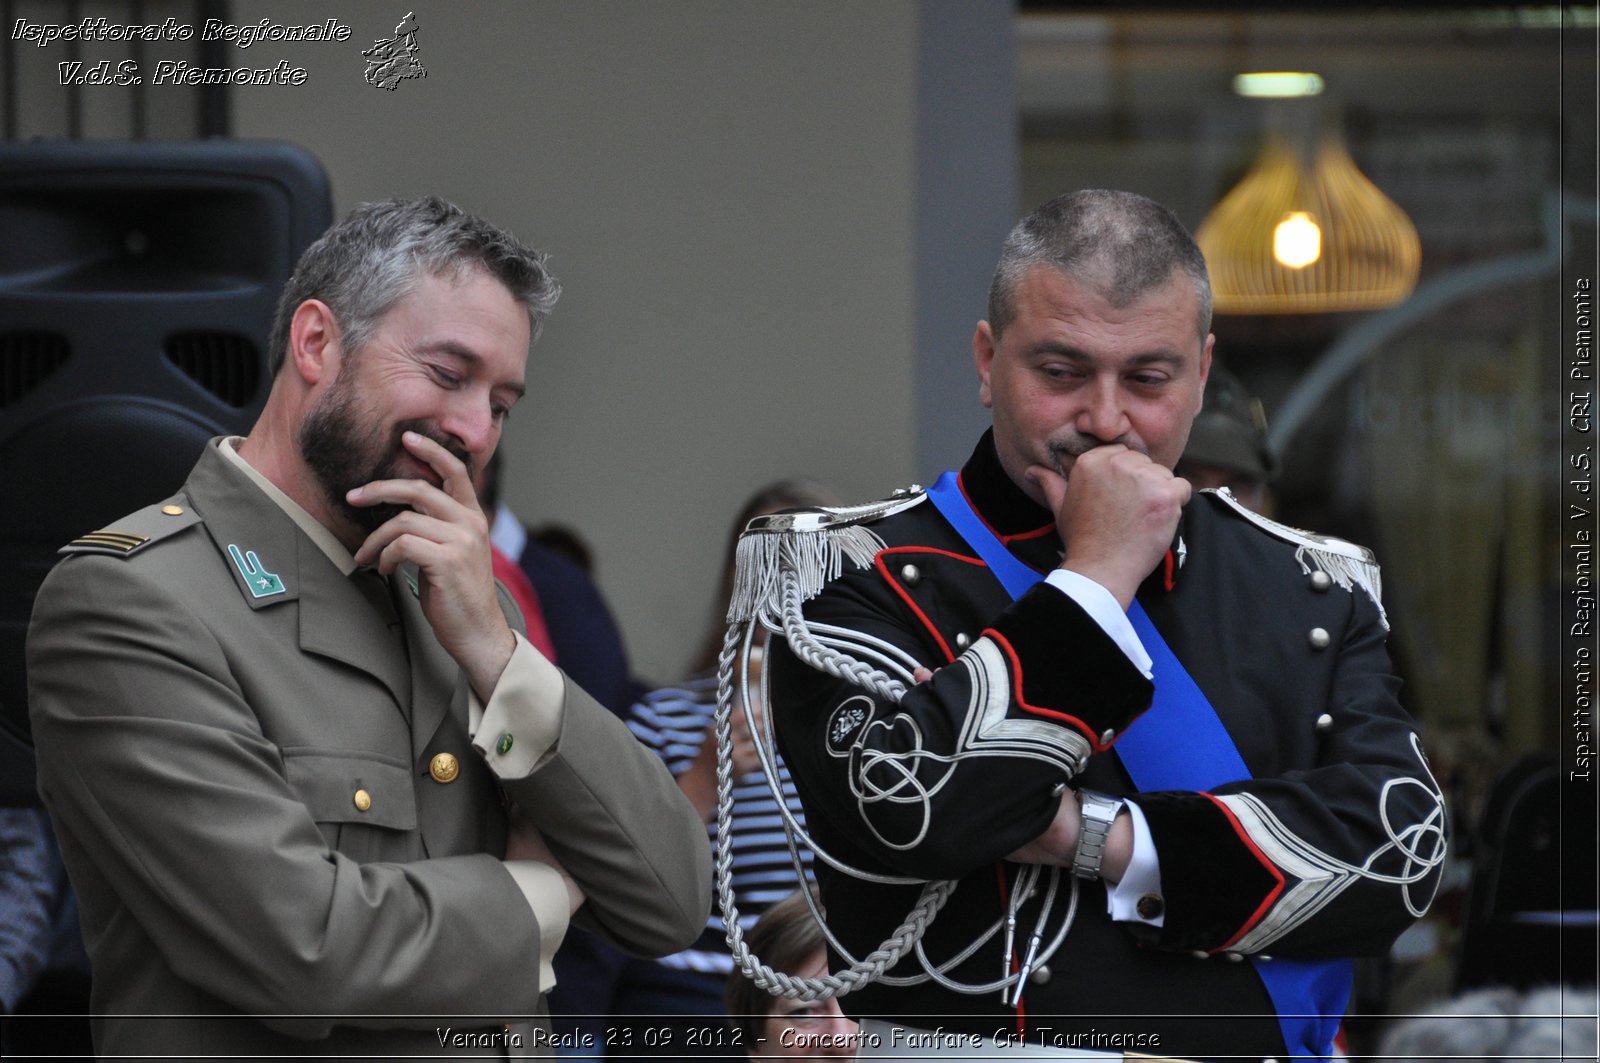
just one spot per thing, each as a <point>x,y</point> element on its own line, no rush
<point>506,533</point>
<point>326,541</point>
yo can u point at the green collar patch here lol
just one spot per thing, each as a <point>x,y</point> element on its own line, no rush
<point>262,584</point>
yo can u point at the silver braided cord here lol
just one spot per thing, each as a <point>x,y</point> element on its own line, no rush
<point>860,972</point>
<point>831,661</point>
<point>907,937</point>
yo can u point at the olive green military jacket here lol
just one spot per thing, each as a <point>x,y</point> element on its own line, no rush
<point>238,751</point>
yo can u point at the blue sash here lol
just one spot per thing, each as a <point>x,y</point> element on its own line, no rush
<point>1310,997</point>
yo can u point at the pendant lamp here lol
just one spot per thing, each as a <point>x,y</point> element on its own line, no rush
<point>1293,238</point>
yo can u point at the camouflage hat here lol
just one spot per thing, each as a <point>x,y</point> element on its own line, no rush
<point>1231,431</point>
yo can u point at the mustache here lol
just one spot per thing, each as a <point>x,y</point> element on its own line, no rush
<point>438,435</point>
<point>1075,445</point>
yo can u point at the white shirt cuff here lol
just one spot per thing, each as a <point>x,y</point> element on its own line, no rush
<point>1103,609</point>
<point>1141,880</point>
<point>547,896</point>
<point>522,719</point>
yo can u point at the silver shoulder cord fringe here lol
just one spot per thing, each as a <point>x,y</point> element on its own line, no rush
<point>782,562</point>
<point>1348,564</point>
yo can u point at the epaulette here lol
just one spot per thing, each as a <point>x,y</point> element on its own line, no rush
<point>137,531</point>
<point>808,546</point>
<point>1347,564</point>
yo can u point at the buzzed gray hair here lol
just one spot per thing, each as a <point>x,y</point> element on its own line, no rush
<point>375,255</point>
<point>1121,243</point>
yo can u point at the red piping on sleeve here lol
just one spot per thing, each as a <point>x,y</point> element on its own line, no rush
<point>1272,895</point>
<point>1038,710</point>
<point>894,584</point>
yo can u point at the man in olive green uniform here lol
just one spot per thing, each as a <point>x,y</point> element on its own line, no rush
<point>316,794</point>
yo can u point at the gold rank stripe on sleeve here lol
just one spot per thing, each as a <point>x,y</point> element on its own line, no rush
<point>121,542</point>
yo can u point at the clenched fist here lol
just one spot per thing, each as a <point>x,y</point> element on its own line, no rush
<point>1117,514</point>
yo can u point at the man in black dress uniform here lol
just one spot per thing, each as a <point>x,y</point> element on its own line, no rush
<point>1163,762</point>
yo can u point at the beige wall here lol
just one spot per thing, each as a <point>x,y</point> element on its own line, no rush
<point>726,190</point>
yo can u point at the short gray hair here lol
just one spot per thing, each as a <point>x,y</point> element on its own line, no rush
<point>375,255</point>
<point>1122,243</point>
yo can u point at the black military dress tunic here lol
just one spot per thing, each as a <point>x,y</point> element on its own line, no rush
<point>1330,850</point>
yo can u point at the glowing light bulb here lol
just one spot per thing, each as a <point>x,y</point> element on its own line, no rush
<point>1297,241</point>
<point>1278,84</point>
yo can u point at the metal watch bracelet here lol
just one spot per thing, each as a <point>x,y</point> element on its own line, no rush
<point>1099,812</point>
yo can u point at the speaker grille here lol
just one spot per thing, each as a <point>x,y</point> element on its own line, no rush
<point>26,358</point>
<point>224,363</point>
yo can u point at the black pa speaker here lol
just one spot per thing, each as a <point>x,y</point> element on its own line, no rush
<point>137,286</point>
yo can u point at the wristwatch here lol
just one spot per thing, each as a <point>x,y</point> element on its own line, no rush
<point>1099,812</point>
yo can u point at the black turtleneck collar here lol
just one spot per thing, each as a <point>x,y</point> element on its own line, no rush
<point>1000,502</point>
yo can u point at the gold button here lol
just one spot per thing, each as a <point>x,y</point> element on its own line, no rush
<point>172,511</point>
<point>363,800</point>
<point>1150,906</point>
<point>444,768</point>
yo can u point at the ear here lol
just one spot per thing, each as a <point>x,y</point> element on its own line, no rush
<point>314,342</point>
<point>1205,370</point>
<point>983,344</point>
